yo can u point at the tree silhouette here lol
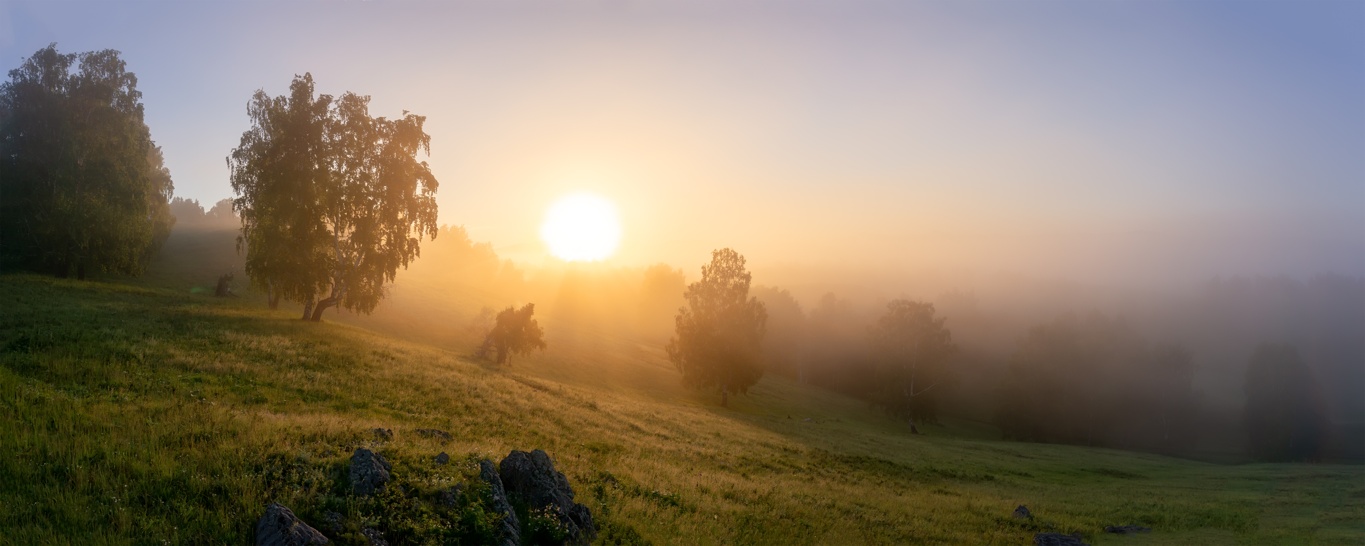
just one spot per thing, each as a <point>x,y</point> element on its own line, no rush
<point>515,332</point>
<point>332,200</point>
<point>720,331</point>
<point>1282,418</point>
<point>912,347</point>
<point>82,186</point>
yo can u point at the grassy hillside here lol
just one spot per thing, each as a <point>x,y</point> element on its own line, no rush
<point>133,414</point>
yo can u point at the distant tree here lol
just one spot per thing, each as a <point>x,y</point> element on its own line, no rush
<point>515,332</point>
<point>1283,420</point>
<point>187,212</point>
<point>720,331</point>
<point>1064,382</point>
<point>332,201</point>
<point>1170,391</point>
<point>837,354</point>
<point>222,215</point>
<point>784,339</point>
<point>912,348</point>
<point>82,186</point>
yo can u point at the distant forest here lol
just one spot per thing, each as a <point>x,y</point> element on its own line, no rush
<point>1228,369</point>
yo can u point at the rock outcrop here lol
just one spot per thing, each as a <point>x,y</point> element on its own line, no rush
<point>280,527</point>
<point>369,472</point>
<point>509,532</point>
<point>531,478</point>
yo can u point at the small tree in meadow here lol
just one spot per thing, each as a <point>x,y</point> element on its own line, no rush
<point>515,332</point>
<point>720,332</point>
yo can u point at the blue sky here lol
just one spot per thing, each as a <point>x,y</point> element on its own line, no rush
<point>1134,140</point>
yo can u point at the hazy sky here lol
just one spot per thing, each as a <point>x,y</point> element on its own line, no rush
<point>1135,140</point>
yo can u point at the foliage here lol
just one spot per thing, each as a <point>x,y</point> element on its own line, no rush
<point>1283,420</point>
<point>784,338</point>
<point>837,355</point>
<point>1097,382</point>
<point>913,348</point>
<point>515,332</point>
<point>719,334</point>
<point>189,214</point>
<point>82,186</point>
<point>332,201</point>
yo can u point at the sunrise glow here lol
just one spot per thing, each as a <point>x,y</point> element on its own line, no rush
<point>581,227</point>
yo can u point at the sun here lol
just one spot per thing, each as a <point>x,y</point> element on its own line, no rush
<point>581,228</point>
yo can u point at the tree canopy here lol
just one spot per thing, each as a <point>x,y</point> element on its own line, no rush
<point>719,334</point>
<point>1283,420</point>
<point>332,200</point>
<point>82,186</point>
<point>913,348</point>
<point>515,332</point>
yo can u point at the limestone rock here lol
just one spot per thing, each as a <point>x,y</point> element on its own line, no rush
<point>531,478</point>
<point>450,497</point>
<point>374,537</point>
<point>443,458</point>
<point>369,472</point>
<point>280,527</point>
<point>509,531</point>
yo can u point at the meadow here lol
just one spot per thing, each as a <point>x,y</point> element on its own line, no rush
<point>149,412</point>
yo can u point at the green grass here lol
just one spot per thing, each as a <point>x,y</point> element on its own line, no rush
<point>133,414</point>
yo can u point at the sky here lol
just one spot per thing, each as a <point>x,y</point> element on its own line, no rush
<point>1133,141</point>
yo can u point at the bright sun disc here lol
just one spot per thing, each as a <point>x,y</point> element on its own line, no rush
<point>581,227</point>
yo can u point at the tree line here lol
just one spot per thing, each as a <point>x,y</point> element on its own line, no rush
<point>83,187</point>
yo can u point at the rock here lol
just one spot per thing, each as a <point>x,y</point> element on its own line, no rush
<point>531,478</point>
<point>1126,529</point>
<point>383,434</point>
<point>509,530</point>
<point>1022,512</point>
<point>450,498</point>
<point>332,522</point>
<point>443,458</point>
<point>434,433</point>
<point>375,537</point>
<point>369,472</point>
<point>280,527</point>
<point>1058,539</point>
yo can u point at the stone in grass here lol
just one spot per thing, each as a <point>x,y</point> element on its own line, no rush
<point>374,537</point>
<point>509,533</point>
<point>1126,529</point>
<point>434,433</point>
<point>1058,539</point>
<point>531,478</point>
<point>450,497</point>
<point>280,527</point>
<point>1022,512</point>
<point>443,458</point>
<point>369,472</point>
